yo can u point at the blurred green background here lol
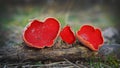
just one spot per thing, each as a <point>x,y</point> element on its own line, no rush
<point>16,14</point>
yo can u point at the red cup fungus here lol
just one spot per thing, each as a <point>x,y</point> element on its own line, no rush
<point>90,37</point>
<point>67,35</point>
<point>40,34</point>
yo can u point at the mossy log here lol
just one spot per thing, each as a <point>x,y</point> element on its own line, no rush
<point>56,53</point>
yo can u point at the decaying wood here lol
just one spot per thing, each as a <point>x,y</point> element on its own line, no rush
<point>23,53</point>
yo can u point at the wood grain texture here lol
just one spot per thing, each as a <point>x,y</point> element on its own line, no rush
<point>56,53</point>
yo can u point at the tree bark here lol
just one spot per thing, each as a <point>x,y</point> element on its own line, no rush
<point>24,53</point>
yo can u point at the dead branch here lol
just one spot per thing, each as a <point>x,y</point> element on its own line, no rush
<point>23,53</point>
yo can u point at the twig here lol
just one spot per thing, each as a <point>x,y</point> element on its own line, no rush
<point>5,66</point>
<point>82,66</point>
<point>71,63</point>
<point>42,64</point>
<point>17,64</point>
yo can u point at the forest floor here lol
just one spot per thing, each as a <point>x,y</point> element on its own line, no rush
<point>11,31</point>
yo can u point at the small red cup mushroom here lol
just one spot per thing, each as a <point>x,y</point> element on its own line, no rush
<point>67,35</point>
<point>41,34</point>
<point>91,37</point>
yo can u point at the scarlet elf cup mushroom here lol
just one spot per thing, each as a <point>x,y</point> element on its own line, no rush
<point>67,35</point>
<point>91,37</point>
<point>41,34</point>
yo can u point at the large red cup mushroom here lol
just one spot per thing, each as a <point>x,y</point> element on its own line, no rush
<point>67,35</point>
<point>40,34</point>
<point>90,37</point>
